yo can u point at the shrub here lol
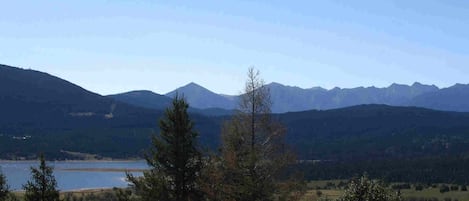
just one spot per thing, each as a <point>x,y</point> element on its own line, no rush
<point>444,189</point>
<point>401,186</point>
<point>318,194</point>
<point>418,187</point>
<point>454,188</point>
<point>365,189</point>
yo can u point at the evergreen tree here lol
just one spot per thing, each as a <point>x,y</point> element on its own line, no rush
<point>42,186</point>
<point>175,160</point>
<point>4,190</point>
<point>253,151</point>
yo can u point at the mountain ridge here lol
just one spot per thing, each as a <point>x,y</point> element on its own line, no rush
<point>202,98</point>
<point>292,98</point>
<point>285,98</point>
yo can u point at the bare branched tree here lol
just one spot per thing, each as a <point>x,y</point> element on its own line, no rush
<point>253,151</point>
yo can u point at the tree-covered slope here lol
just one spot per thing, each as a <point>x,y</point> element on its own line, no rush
<point>143,98</point>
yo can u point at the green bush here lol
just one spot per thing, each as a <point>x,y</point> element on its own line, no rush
<point>454,188</point>
<point>365,189</point>
<point>418,187</point>
<point>318,193</point>
<point>444,189</point>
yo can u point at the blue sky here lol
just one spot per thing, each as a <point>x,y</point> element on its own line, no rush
<point>115,46</point>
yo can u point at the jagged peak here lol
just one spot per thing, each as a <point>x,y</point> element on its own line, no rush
<point>397,85</point>
<point>336,88</point>
<point>318,88</point>
<point>417,84</point>
<point>193,84</point>
<point>276,84</point>
<point>189,88</point>
<point>459,85</point>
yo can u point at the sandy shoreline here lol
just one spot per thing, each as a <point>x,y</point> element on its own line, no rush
<point>88,190</point>
<point>101,170</point>
<point>80,190</point>
<point>76,161</point>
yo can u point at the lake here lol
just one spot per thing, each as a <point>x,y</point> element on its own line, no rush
<point>74,175</point>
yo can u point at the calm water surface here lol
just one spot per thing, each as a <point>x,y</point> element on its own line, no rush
<point>18,173</point>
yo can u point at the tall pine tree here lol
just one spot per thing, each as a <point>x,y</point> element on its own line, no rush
<point>42,186</point>
<point>175,160</point>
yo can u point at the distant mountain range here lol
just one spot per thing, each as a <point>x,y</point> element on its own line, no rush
<point>17,85</point>
<point>294,99</point>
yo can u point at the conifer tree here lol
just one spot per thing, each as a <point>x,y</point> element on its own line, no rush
<point>175,159</point>
<point>4,190</point>
<point>42,186</point>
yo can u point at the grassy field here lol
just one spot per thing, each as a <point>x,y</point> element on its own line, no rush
<point>78,194</point>
<point>435,193</point>
<point>326,191</point>
<point>316,191</point>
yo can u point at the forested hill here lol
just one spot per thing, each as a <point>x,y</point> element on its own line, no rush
<point>33,99</point>
<point>376,131</point>
<point>43,113</point>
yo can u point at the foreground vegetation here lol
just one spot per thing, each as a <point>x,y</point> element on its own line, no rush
<point>316,191</point>
<point>333,189</point>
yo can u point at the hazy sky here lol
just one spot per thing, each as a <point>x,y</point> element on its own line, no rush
<point>115,46</point>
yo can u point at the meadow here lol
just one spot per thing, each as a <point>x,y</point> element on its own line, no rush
<point>332,189</point>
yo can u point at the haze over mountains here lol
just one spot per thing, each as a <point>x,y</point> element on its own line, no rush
<point>293,99</point>
<point>45,89</point>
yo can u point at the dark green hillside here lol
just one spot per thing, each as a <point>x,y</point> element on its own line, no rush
<point>376,131</point>
<point>30,99</point>
<point>145,99</point>
<point>52,114</point>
